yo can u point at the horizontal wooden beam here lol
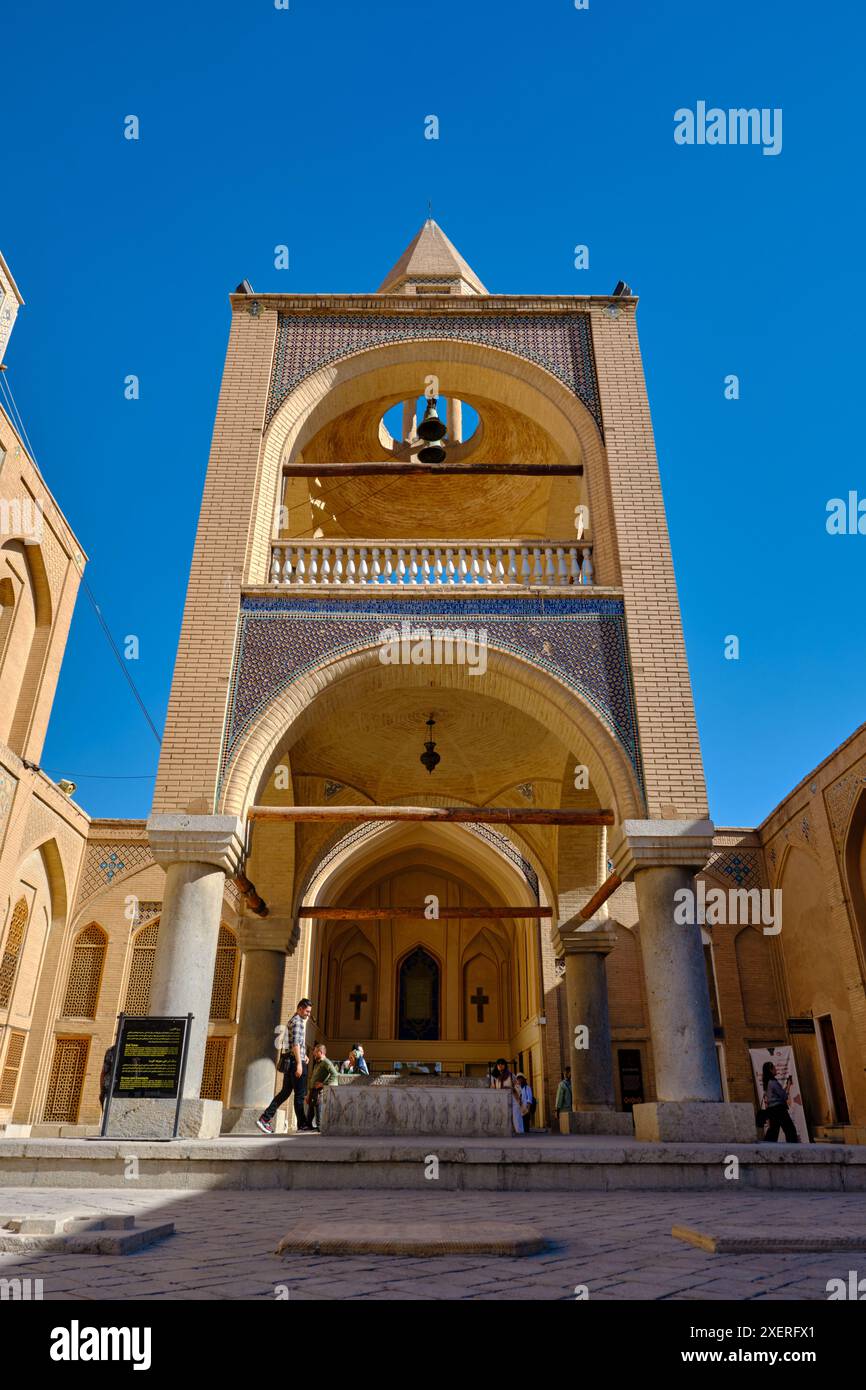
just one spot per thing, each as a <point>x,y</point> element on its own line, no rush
<point>377,913</point>
<point>373,470</point>
<point>484,815</point>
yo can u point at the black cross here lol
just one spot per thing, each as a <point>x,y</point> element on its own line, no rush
<point>358,999</point>
<point>479,999</point>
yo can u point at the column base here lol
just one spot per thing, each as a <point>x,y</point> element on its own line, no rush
<point>694,1122</point>
<point>595,1122</point>
<point>241,1119</point>
<point>154,1119</point>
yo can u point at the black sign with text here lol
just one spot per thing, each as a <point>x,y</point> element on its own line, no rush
<point>150,1058</point>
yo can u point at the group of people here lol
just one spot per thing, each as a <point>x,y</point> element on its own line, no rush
<point>305,1076</point>
<point>523,1102</point>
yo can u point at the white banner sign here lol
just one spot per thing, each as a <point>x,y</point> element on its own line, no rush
<point>783,1060</point>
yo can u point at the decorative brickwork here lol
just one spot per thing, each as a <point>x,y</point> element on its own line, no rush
<point>65,1082</point>
<point>740,865</point>
<point>85,974</point>
<point>213,1075</point>
<point>109,861</point>
<point>12,950</point>
<point>561,343</point>
<point>840,798</point>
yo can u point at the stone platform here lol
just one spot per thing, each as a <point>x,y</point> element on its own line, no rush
<point>357,1236</point>
<point>77,1234</point>
<point>392,1106</point>
<point>542,1163</point>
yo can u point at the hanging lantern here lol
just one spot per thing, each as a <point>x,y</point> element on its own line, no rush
<point>430,757</point>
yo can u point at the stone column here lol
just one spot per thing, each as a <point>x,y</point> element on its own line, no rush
<point>197,852</point>
<point>455,421</point>
<point>663,858</point>
<point>264,946</point>
<point>410,421</point>
<point>593,1096</point>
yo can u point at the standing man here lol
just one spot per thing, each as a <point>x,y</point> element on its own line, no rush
<point>562,1103</point>
<point>324,1074</point>
<point>295,1075</point>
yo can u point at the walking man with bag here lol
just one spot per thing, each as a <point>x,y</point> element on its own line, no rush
<point>295,1075</point>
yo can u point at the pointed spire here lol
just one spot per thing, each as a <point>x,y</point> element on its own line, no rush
<point>428,260</point>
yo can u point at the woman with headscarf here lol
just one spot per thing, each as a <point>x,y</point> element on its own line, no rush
<point>503,1079</point>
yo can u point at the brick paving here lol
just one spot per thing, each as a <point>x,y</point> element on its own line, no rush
<point>617,1244</point>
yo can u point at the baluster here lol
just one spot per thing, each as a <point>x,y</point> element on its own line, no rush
<point>586,570</point>
<point>462,571</point>
<point>338,566</point>
<point>549,567</point>
<point>389,565</point>
<point>413,565</point>
<point>401,564</point>
<point>476,568</point>
<point>275,564</point>
<point>313,565</point>
<point>301,565</point>
<point>487,563</point>
<point>351,575</point>
<point>561,577</point>
<point>325,571</point>
<point>524,564</point>
<point>426,576</point>
<point>377,566</point>
<point>287,566</point>
<point>537,572</point>
<point>511,575</point>
<point>449,564</point>
<point>364,568</point>
<point>574,560</point>
<point>499,568</point>
<point>437,564</point>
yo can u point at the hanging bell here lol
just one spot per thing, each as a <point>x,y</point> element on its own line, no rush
<point>434,452</point>
<point>431,427</point>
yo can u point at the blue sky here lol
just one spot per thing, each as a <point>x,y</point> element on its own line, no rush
<point>306,127</point>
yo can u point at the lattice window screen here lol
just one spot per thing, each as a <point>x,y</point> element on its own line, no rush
<point>141,970</point>
<point>224,992</point>
<point>85,974</point>
<point>213,1075</point>
<point>12,951</point>
<point>11,1067</point>
<point>66,1080</point>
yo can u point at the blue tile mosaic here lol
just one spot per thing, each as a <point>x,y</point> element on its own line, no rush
<point>561,343</point>
<point>582,642</point>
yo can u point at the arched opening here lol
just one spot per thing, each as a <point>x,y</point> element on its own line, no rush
<point>25,628</point>
<point>418,991</point>
<point>855,871</point>
<point>85,973</point>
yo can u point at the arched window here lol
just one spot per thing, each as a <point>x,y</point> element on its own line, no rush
<point>419,997</point>
<point>141,970</point>
<point>85,974</point>
<point>223,998</point>
<point>12,951</point>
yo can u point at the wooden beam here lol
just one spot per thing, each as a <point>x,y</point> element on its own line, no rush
<point>373,470</point>
<point>484,815</point>
<point>378,913</point>
<point>609,886</point>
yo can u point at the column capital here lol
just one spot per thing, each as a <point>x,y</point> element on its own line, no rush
<point>178,838</point>
<point>265,934</point>
<point>595,937</point>
<point>659,844</point>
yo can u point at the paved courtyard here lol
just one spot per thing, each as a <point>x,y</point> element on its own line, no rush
<point>617,1244</point>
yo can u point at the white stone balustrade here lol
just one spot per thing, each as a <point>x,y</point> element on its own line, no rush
<point>354,564</point>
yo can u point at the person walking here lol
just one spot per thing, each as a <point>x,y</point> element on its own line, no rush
<point>295,1074</point>
<point>563,1102</point>
<point>105,1075</point>
<point>502,1079</point>
<point>778,1114</point>
<point>323,1074</point>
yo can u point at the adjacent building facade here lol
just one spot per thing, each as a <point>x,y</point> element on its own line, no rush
<point>340,598</point>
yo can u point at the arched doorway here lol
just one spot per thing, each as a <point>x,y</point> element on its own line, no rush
<point>418,997</point>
